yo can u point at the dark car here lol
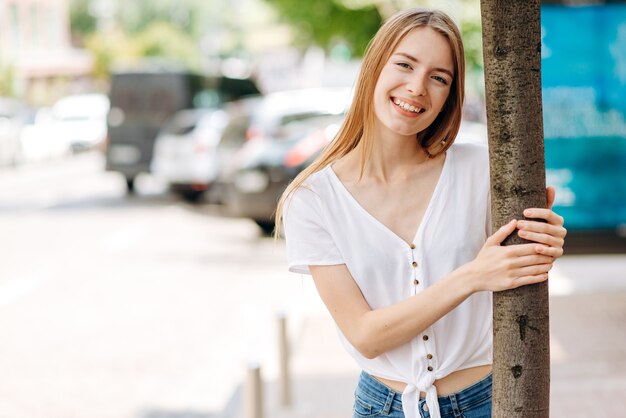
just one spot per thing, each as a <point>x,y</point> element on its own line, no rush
<point>263,169</point>
<point>143,100</point>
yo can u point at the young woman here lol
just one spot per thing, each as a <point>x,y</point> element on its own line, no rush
<point>393,223</point>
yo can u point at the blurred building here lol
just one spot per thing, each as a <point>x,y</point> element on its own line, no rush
<point>35,48</point>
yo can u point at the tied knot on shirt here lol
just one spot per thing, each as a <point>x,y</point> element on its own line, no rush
<point>411,396</point>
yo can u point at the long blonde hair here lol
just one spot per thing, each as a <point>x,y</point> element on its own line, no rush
<point>360,118</point>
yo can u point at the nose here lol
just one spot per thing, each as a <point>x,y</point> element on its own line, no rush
<point>416,85</point>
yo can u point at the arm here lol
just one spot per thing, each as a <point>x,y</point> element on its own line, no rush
<point>373,332</point>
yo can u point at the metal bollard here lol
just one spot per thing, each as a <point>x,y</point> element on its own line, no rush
<point>254,392</point>
<point>284,377</point>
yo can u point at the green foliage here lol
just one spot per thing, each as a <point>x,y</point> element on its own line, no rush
<point>82,21</point>
<point>110,48</point>
<point>159,40</point>
<point>137,16</point>
<point>471,31</point>
<point>7,78</point>
<point>163,40</point>
<point>326,22</point>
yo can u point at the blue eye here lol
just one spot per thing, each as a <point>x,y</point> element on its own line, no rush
<point>404,65</point>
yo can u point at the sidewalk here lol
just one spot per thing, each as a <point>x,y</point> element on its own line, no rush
<point>588,351</point>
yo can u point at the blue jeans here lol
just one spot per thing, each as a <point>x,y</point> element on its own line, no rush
<point>372,399</point>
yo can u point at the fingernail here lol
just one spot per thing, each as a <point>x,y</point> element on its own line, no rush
<point>528,212</point>
<point>521,224</point>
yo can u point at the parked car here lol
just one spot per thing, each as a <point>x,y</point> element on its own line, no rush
<point>38,140</point>
<point>143,100</point>
<point>13,116</point>
<point>186,154</point>
<point>264,168</point>
<point>79,120</point>
<point>271,119</point>
<point>251,182</point>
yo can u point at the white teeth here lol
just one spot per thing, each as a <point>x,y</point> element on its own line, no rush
<point>407,106</point>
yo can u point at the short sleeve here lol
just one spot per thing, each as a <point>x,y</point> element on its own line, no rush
<point>307,235</point>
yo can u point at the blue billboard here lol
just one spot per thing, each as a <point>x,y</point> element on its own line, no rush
<point>584,110</point>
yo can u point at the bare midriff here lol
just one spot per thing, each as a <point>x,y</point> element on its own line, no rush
<point>452,383</point>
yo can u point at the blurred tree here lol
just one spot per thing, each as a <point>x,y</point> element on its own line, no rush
<point>109,48</point>
<point>161,39</point>
<point>471,31</point>
<point>7,80</point>
<point>326,22</point>
<point>82,21</point>
<point>117,31</point>
<point>188,16</point>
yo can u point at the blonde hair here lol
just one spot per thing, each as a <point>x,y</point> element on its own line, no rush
<point>360,118</point>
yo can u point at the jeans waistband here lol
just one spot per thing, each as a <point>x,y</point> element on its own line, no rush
<point>468,396</point>
<point>465,397</point>
<point>370,388</point>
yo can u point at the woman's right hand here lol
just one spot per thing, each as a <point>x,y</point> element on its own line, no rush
<point>498,267</point>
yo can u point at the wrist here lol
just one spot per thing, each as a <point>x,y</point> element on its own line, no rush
<point>467,279</point>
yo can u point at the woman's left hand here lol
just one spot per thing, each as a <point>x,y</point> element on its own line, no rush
<point>550,233</point>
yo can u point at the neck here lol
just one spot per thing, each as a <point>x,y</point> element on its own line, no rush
<point>392,157</point>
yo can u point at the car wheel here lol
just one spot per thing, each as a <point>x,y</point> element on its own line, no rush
<point>130,185</point>
<point>266,226</point>
<point>192,196</point>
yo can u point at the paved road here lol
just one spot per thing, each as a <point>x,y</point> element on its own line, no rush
<point>146,307</point>
<point>116,306</point>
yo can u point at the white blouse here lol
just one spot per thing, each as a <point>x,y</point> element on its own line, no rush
<point>325,225</point>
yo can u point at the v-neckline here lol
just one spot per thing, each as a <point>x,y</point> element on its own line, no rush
<point>433,198</point>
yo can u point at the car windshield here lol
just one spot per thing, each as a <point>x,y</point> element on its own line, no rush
<point>182,123</point>
<point>298,126</point>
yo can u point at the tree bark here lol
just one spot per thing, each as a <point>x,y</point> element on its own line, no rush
<point>512,56</point>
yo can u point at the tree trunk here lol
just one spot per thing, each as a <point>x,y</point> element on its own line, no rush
<point>512,55</point>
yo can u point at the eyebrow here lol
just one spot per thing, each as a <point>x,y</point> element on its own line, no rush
<point>412,58</point>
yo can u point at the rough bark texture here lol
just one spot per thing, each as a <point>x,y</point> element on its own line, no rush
<point>512,55</point>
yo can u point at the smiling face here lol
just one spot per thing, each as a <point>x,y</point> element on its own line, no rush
<point>414,84</point>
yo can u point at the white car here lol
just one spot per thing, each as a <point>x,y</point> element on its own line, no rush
<point>80,120</point>
<point>184,154</point>
<point>12,118</point>
<point>37,140</point>
<point>191,149</point>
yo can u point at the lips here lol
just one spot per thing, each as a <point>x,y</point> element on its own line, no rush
<point>408,105</point>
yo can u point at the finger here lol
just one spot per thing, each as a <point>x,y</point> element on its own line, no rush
<point>501,234</point>
<point>554,252</point>
<point>541,238</point>
<point>533,270</point>
<point>545,228</point>
<point>526,280</point>
<point>547,214</point>
<point>531,260</point>
<point>550,195</point>
<point>520,250</point>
